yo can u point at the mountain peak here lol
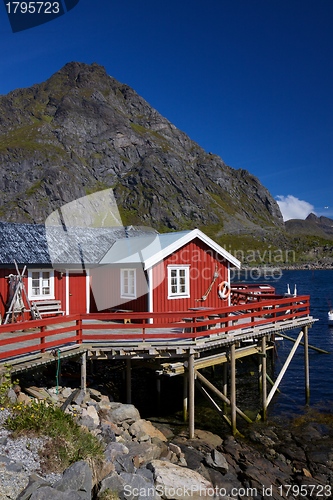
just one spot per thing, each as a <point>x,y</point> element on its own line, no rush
<point>82,131</point>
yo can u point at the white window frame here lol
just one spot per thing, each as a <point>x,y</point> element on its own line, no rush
<point>174,273</point>
<point>41,296</point>
<point>128,290</point>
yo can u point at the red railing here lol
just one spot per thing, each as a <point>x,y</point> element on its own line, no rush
<point>35,336</point>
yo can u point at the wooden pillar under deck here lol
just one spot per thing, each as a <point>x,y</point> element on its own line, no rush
<point>225,382</point>
<point>185,397</point>
<point>233,388</point>
<point>191,387</point>
<point>128,381</point>
<point>306,365</point>
<point>84,372</point>
<point>263,377</point>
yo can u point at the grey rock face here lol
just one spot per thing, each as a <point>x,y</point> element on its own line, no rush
<point>82,131</point>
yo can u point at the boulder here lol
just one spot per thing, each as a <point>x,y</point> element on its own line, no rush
<point>48,493</point>
<point>176,482</point>
<point>137,487</point>
<point>91,412</point>
<point>113,482</point>
<point>119,413</point>
<point>217,461</point>
<point>35,482</point>
<point>145,428</point>
<point>114,449</point>
<point>78,477</point>
<point>141,453</point>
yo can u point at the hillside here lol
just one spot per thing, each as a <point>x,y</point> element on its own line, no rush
<point>82,131</point>
<point>312,240</point>
<point>311,226</point>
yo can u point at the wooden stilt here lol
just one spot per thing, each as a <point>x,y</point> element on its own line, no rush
<point>260,374</point>
<point>233,388</point>
<point>306,366</point>
<point>225,382</point>
<point>191,387</point>
<point>264,378</point>
<point>128,381</point>
<point>185,396</point>
<point>84,371</point>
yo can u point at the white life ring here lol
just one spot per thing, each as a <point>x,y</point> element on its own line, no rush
<point>224,290</point>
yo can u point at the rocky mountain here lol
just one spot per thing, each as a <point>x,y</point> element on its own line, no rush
<point>321,227</point>
<point>82,131</point>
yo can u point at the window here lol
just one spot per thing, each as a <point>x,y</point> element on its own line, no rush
<point>40,284</point>
<point>128,283</point>
<point>178,281</point>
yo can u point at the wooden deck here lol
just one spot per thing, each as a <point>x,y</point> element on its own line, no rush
<point>28,344</point>
<point>178,342</point>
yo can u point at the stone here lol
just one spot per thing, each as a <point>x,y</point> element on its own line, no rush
<point>175,482</point>
<point>35,482</point>
<point>119,413</point>
<point>91,412</point>
<point>66,392</point>
<point>12,396</point>
<point>107,433</point>
<point>217,461</point>
<point>124,463</point>
<point>87,422</point>
<point>113,482</point>
<point>145,427</point>
<point>79,397</point>
<point>49,493</point>
<point>143,452</point>
<point>114,449</point>
<point>137,487</point>
<point>77,477</point>
<point>209,438</point>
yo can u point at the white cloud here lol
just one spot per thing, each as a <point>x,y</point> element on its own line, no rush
<point>293,208</point>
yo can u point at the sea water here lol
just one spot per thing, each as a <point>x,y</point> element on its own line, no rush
<point>291,399</point>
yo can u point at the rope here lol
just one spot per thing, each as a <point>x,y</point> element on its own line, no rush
<point>215,276</point>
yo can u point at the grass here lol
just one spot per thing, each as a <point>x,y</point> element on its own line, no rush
<point>67,443</point>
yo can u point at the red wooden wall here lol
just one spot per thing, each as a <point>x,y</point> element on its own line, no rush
<point>59,287</point>
<point>203,261</point>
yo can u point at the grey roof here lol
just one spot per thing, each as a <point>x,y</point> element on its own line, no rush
<point>150,249</point>
<point>37,245</point>
<point>32,244</point>
<point>140,249</point>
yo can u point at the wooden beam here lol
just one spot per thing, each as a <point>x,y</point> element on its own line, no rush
<point>218,393</point>
<point>302,343</point>
<point>264,377</point>
<point>233,388</point>
<point>128,381</point>
<point>185,396</point>
<point>306,366</point>
<point>84,371</point>
<point>284,368</point>
<point>211,401</point>
<point>191,387</point>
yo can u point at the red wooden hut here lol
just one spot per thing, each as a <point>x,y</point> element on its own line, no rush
<point>96,269</point>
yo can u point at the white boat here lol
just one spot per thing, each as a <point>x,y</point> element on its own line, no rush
<point>330,317</point>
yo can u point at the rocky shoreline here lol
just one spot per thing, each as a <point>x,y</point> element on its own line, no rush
<point>144,460</point>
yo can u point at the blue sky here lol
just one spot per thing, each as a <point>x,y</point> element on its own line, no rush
<point>249,80</point>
